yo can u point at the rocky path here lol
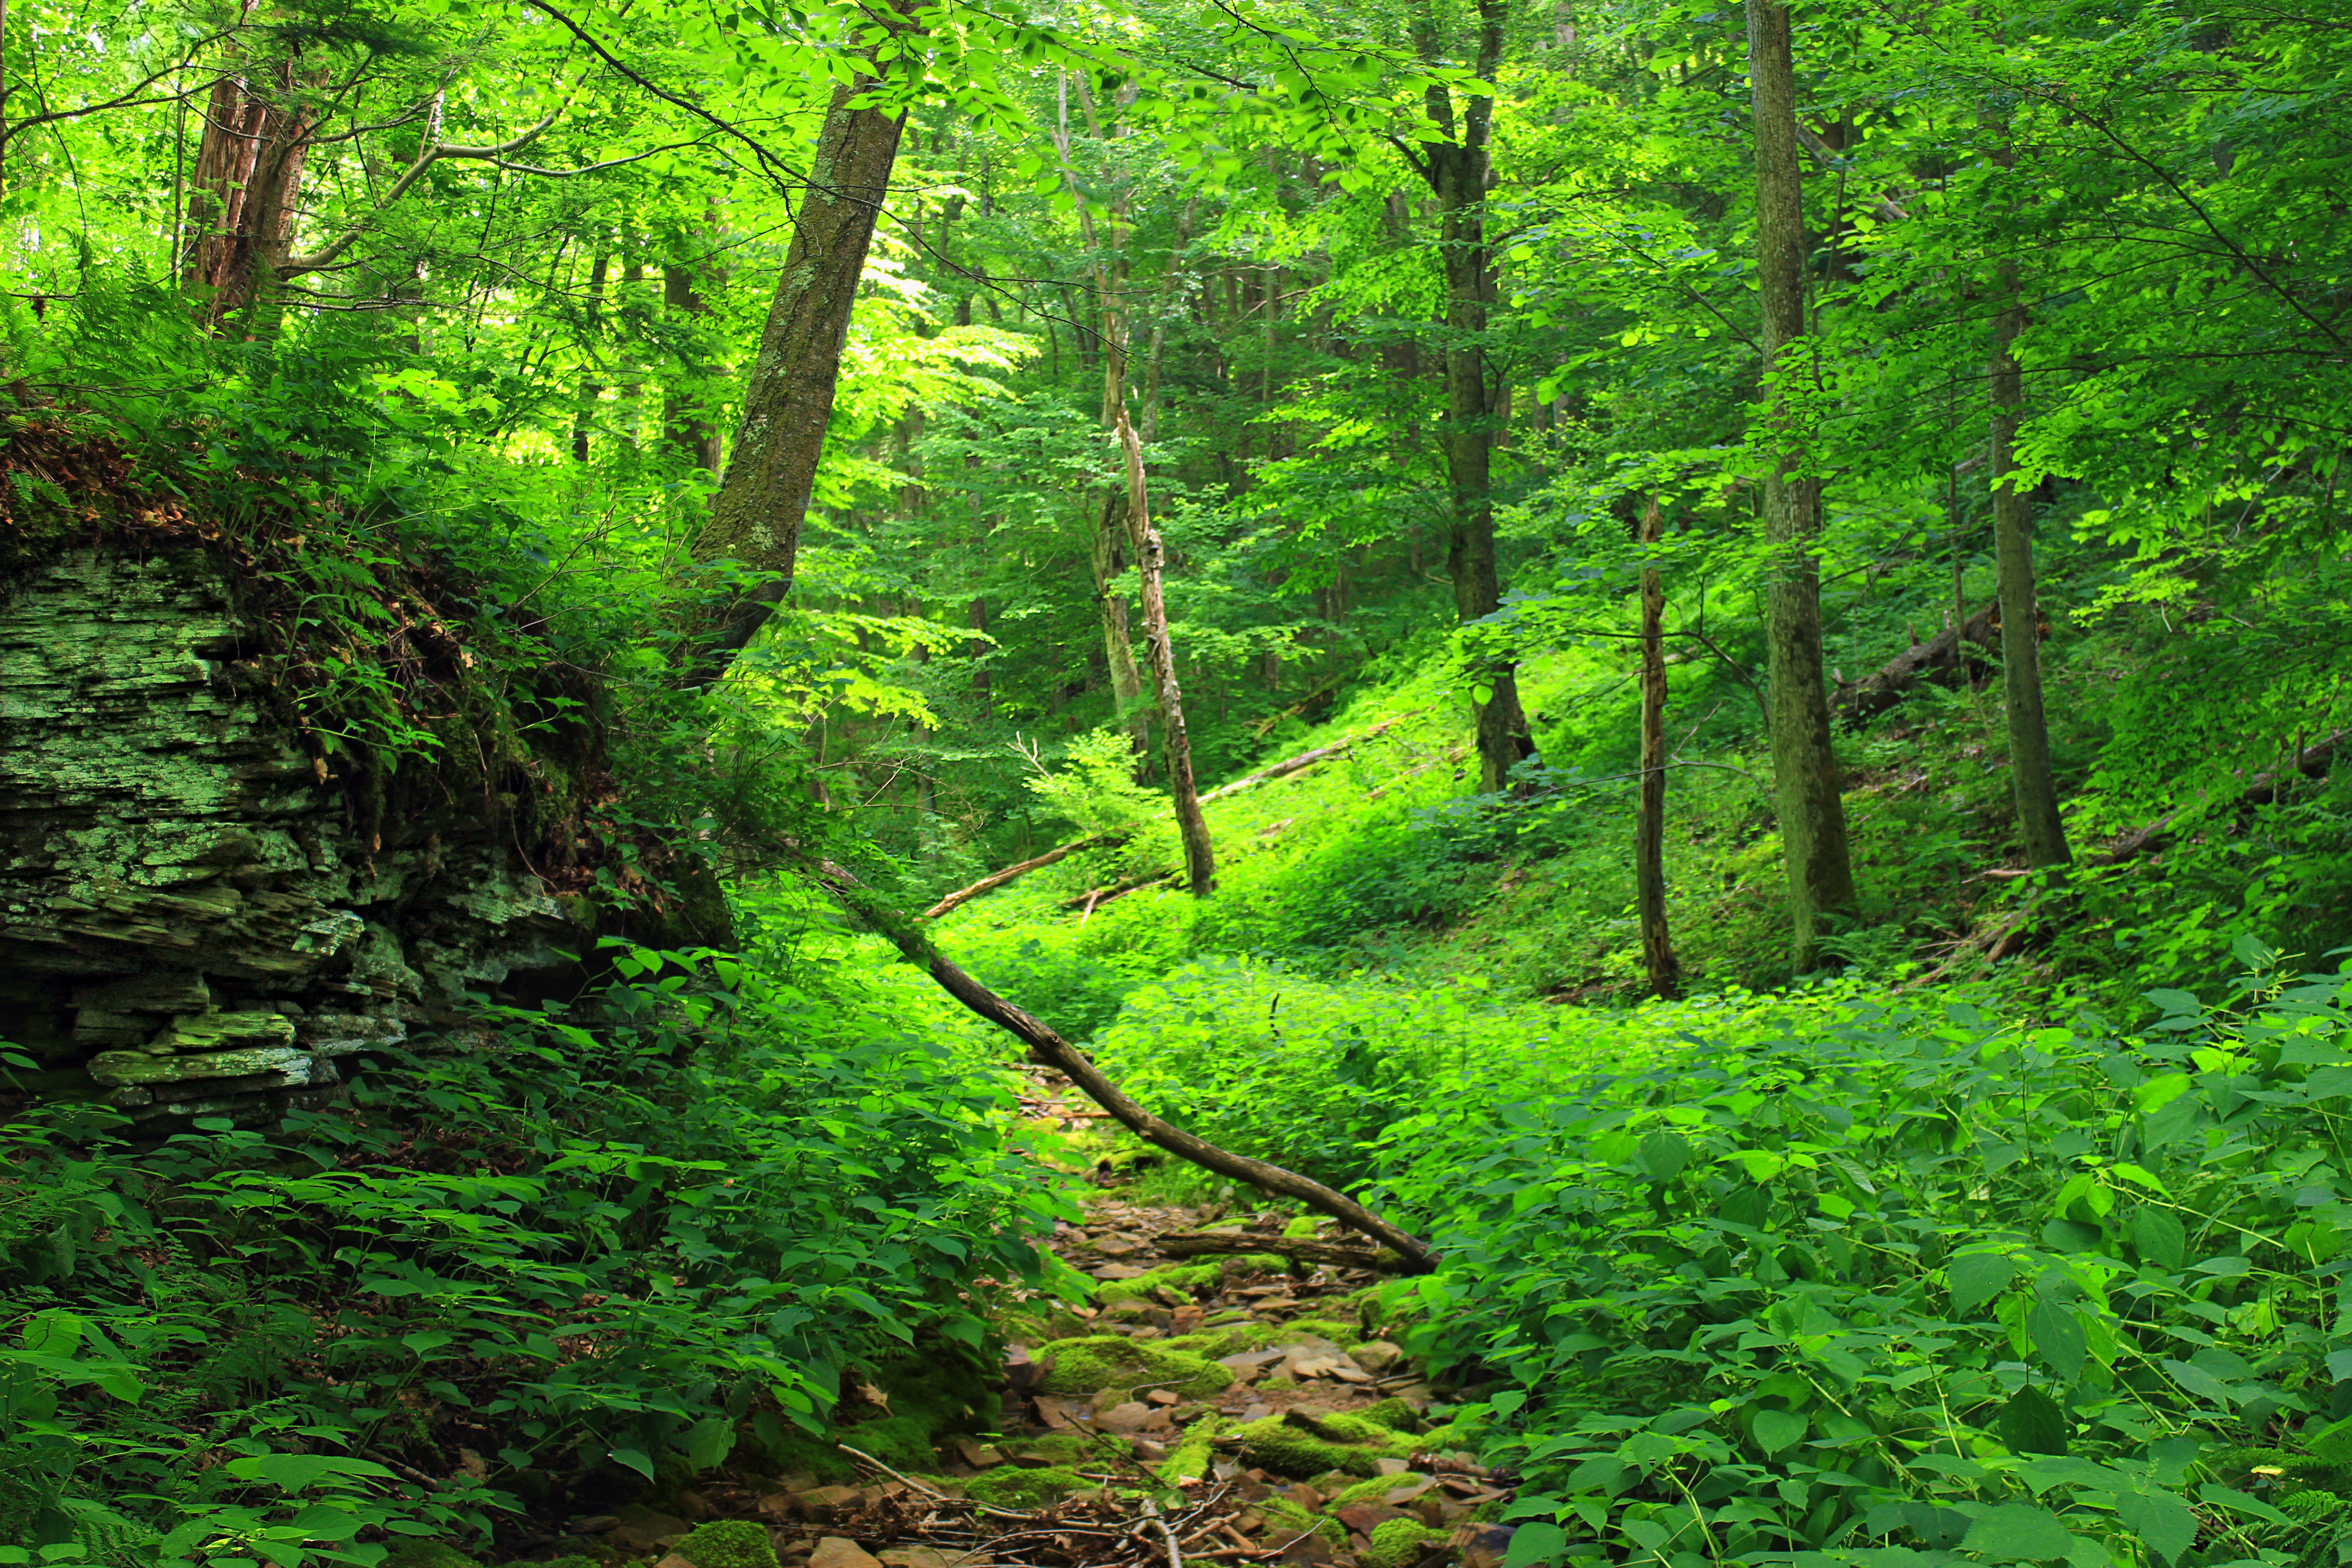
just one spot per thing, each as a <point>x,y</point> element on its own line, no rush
<point>1236,1409</point>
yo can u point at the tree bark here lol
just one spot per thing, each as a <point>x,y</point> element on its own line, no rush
<point>242,198</point>
<point>1107,551</point>
<point>1658,960</point>
<point>1804,762</point>
<point>583,417</point>
<point>1150,556</point>
<point>1456,169</point>
<point>2035,791</point>
<point>686,426</point>
<point>756,517</point>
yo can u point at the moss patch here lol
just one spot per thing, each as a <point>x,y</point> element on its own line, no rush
<point>1013,1487</point>
<point>1354,1445</point>
<point>1190,1459</point>
<point>1181,1278</point>
<point>729,1544</point>
<point>1375,1489</point>
<point>1393,1414</point>
<point>1398,1542</point>
<point>1285,1520</point>
<point>1107,1360</point>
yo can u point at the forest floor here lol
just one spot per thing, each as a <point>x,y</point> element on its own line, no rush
<point>1240,1409</point>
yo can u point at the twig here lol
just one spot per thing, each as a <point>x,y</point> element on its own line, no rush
<point>1175,1552</point>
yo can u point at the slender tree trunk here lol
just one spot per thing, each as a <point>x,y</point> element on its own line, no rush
<point>1456,168</point>
<point>687,429</point>
<point>1804,763</point>
<point>1199,858</point>
<point>583,417</point>
<point>2021,632</point>
<point>1649,821</point>
<point>756,517</point>
<point>1108,555</point>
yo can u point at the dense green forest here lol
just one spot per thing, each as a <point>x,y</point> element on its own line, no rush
<point>1668,676</point>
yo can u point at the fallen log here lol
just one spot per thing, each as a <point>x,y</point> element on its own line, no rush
<point>996,880</point>
<point>2264,789</point>
<point>1243,1242</point>
<point>1048,1048</point>
<point>1283,769</point>
<point>1304,759</point>
<point>1940,655</point>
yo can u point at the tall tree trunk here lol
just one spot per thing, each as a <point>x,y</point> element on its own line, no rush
<point>583,416</point>
<point>756,517</point>
<point>1456,168</point>
<point>1649,821</point>
<point>1805,764</point>
<point>1109,555</point>
<point>242,198</point>
<point>685,424</point>
<point>1199,858</point>
<point>2020,633</point>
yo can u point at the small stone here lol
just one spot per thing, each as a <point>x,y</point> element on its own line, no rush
<point>1376,1356</point>
<point>826,1504</point>
<point>834,1552</point>
<point>673,1561</point>
<point>916,1557</point>
<point>980,1456</point>
<point>1488,1545</point>
<point>1164,1396</point>
<point>1393,1467</point>
<point>1117,1271</point>
<point>1112,1246</point>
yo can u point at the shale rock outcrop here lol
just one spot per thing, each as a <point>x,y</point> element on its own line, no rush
<point>195,917</point>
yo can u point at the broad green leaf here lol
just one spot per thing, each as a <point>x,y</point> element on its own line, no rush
<point>1664,1155</point>
<point>633,1458</point>
<point>1777,1429</point>
<point>2032,1423</point>
<point>2159,1238</point>
<point>2018,1532</point>
<point>2160,1520</point>
<point>1977,1278</point>
<point>1538,1541</point>
<point>2058,1338</point>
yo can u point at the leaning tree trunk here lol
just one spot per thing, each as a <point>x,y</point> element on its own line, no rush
<point>1650,820</point>
<point>1150,557</point>
<point>756,517</point>
<point>1456,169</point>
<point>1108,551</point>
<point>2021,632</point>
<point>242,198</point>
<point>1804,763</point>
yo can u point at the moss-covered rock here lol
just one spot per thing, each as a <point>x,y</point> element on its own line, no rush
<point>729,1544</point>
<point>1063,1448</point>
<point>1107,1360</point>
<point>1191,1459</point>
<point>1400,1543</point>
<point>1181,1278</point>
<point>1376,1490</point>
<point>1393,1414</point>
<point>1300,1446</point>
<point>1013,1487</point>
<point>1285,1520</point>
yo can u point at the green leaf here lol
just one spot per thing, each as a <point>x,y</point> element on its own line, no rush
<point>1664,1155</point>
<point>635,1460</point>
<point>1540,1541</point>
<point>2058,1338</point>
<point>2159,1238</point>
<point>1777,1429</point>
<point>2032,1423</point>
<point>1977,1278</point>
<point>2160,1520</point>
<point>2018,1532</point>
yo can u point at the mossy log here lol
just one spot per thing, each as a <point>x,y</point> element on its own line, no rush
<point>1303,1250</point>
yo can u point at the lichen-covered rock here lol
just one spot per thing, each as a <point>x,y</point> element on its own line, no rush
<point>194,917</point>
<point>728,1544</point>
<point>1398,1543</point>
<point>1299,1444</point>
<point>1012,1488</point>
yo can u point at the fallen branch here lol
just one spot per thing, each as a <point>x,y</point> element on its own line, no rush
<point>1282,769</point>
<point>1261,727</point>
<point>1050,1049</point>
<point>2264,789</point>
<point>996,880</point>
<point>1242,1243</point>
<point>1876,692</point>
